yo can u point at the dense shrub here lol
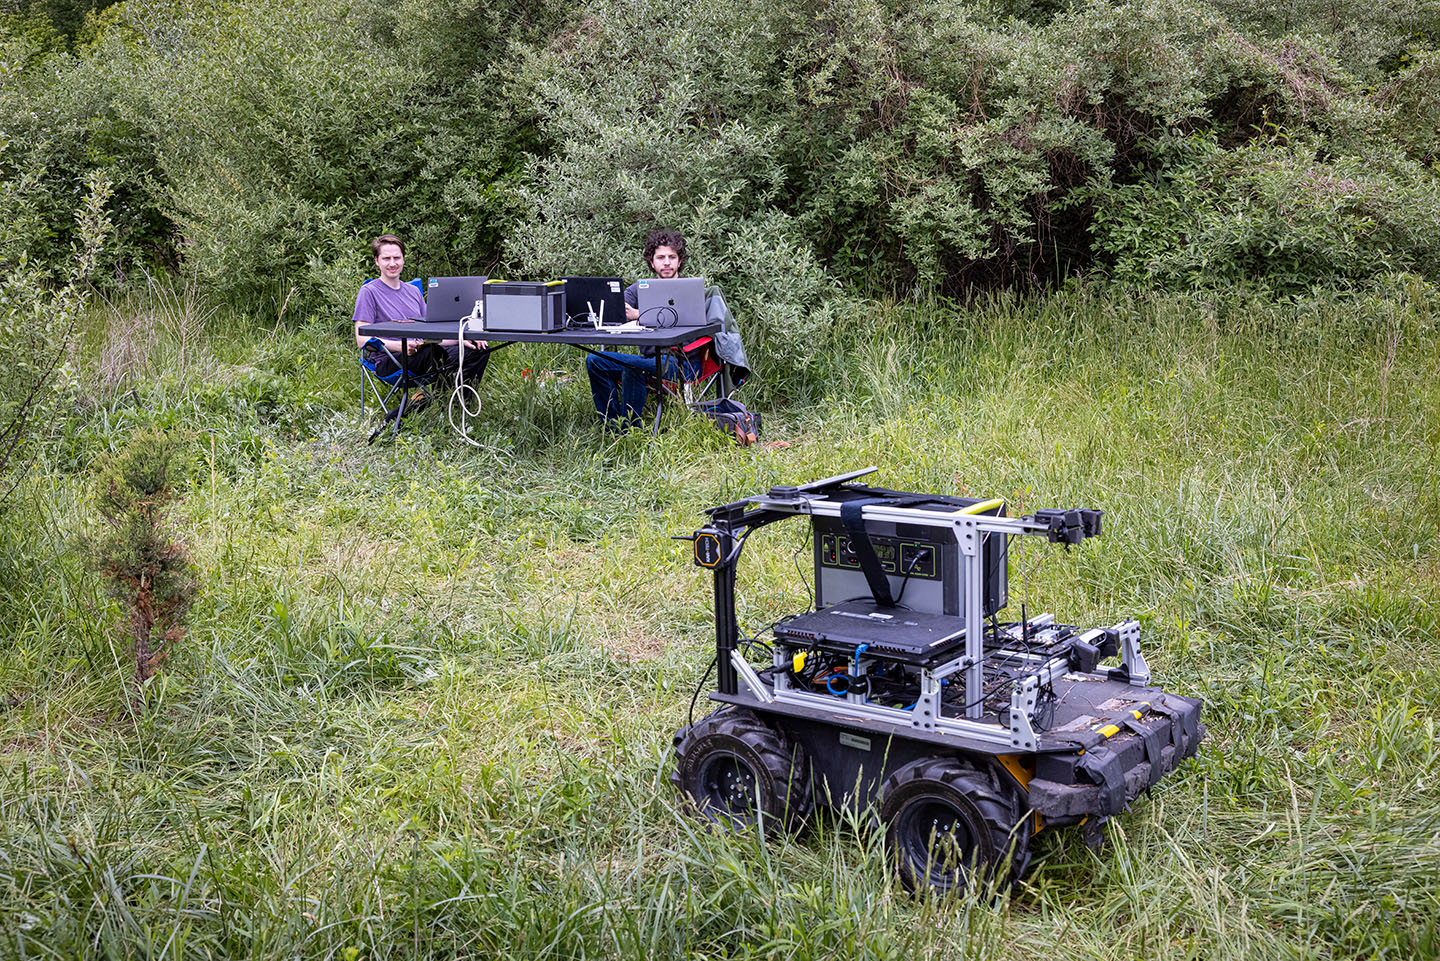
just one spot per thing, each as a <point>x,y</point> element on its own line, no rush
<point>946,147</point>
<point>58,125</point>
<point>900,147</point>
<point>289,135</point>
<point>651,116</point>
<point>62,18</point>
<point>38,316</point>
<point>1368,39</point>
<point>262,144</point>
<point>1411,101</point>
<point>1278,213</point>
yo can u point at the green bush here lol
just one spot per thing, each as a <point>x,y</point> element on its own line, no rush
<point>290,135</point>
<point>651,116</point>
<point>899,148</point>
<point>1411,101</point>
<point>1278,214</point>
<point>38,317</point>
<point>1366,38</point>
<point>58,125</point>
<point>950,148</point>
<point>59,19</point>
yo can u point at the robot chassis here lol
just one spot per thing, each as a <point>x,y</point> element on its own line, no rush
<point>967,735</point>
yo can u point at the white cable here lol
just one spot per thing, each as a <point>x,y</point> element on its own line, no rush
<point>461,388</point>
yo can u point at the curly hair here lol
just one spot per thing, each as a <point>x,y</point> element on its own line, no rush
<point>384,239</point>
<point>665,238</point>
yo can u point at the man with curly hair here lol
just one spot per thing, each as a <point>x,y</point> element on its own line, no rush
<point>619,382</point>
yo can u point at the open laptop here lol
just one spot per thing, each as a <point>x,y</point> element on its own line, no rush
<point>594,300</point>
<point>679,302</point>
<point>451,298</point>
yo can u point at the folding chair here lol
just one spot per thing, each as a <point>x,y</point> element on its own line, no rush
<point>713,379</point>
<point>393,382</point>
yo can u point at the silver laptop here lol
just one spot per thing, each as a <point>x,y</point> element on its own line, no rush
<point>451,298</point>
<point>672,303</point>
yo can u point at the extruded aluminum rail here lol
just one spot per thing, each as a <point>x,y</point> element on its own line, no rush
<point>969,530</point>
<point>716,550</point>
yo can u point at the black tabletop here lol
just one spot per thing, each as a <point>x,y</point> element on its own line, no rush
<point>426,330</point>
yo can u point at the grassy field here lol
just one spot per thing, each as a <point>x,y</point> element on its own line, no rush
<point>426,704</point>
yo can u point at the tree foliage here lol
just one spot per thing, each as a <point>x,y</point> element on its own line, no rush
<point>935,145</point>
<point>892,146</point>
<point>289,135</point>
<point>59,127</point>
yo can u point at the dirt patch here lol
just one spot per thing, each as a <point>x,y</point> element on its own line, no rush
<point>23,745</point>
<point>636,647</point>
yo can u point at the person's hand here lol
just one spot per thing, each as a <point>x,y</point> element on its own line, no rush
<point>632,313</point>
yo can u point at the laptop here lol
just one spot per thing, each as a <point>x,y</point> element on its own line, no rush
<point>679,302</point>
<point>451,298</point>
<point>594,300</point>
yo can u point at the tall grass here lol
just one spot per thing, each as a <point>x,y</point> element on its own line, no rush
<point>427,700</point>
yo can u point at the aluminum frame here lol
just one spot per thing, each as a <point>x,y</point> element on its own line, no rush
<point>927,714</point>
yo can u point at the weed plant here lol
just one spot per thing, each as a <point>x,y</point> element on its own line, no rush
<point>427,702</point>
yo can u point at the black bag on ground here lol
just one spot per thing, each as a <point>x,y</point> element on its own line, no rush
<point>733,418</point>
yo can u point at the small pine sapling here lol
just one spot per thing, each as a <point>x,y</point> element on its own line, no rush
<point>146,570</point>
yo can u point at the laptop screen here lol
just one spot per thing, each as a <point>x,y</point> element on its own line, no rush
<point>594,300</point>
<point>451,298</point>
<point>679,302</point>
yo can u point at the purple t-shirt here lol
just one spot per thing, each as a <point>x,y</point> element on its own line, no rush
<point>376,301</point>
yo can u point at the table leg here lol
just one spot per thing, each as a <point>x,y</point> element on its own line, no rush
<point>404,385</point>
<point>677,354</point>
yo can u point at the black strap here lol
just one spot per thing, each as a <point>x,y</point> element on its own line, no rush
<point>850,515</point>
<point>1184,726</point>
<point>1150,737</point>
<point>1104,770</point>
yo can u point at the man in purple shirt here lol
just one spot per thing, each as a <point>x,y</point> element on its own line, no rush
<point>389,298</point>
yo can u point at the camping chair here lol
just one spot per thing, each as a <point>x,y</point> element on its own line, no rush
<point>713,380</point>
<point>392,382</point>
<point>384,388</point>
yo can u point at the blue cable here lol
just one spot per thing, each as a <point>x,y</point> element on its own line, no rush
<point>910,708</point>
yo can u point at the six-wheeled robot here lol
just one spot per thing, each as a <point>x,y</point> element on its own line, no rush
<point>904,693</point>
